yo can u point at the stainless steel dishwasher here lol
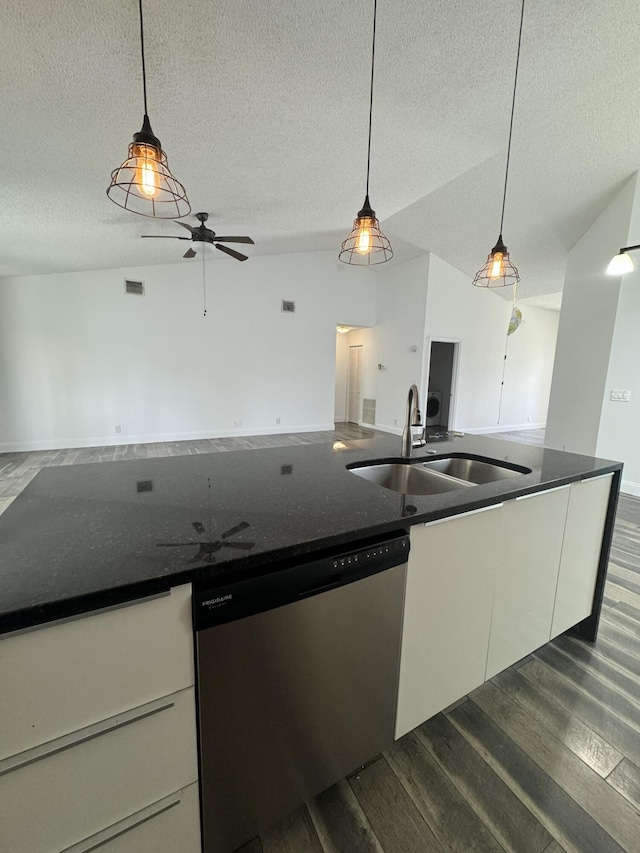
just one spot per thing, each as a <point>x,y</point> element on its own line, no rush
<point>297,683</point>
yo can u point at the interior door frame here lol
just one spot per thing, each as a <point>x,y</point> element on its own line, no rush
<point>359,420</point>
<point>455,371</point>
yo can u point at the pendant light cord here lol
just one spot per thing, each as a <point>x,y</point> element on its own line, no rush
<point>373,61</point>
<point>144,71</point>
<point>513,103</point>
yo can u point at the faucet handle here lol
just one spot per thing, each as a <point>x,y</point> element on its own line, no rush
<point>420,440</point>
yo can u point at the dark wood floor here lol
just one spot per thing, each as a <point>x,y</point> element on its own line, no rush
<point>544,757</point>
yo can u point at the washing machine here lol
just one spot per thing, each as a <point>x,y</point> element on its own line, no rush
<point>433,408</point>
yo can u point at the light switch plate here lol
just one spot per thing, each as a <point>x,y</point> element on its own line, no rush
<point>620,396</point>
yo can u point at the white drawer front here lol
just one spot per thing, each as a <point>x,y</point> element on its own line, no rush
<point>65,676</point>
<point>54,802</point>
<point>171,825</point>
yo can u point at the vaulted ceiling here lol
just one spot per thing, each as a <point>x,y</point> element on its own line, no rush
<point>262,108</point>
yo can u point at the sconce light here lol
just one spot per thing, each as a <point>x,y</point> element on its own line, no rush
<point>622,263</point>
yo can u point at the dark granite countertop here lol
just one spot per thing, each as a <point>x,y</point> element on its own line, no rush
<point>87,536</point>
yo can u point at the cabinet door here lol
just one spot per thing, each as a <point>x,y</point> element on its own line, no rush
<point>95,777</point>
<point>527,576</point>
<point>171,825</point>
<point>447,612</point>
<point>586,516</point>
<point>61,677</point>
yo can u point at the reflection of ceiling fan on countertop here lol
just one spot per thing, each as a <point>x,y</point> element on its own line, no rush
<point>205,240</point>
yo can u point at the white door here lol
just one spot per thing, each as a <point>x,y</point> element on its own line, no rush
<point>354,393</point>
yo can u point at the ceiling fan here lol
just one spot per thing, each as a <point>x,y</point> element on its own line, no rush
<point>203,239</point>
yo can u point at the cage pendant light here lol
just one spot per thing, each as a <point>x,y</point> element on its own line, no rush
<point>143,183</point>
<point>499,271</point>
<point>367,245</point>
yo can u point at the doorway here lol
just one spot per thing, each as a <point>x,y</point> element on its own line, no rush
<point>354,385</point>
<point>439,409</point>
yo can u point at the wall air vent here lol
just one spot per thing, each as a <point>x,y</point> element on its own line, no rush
<point>368,411</point>
<point>134,287</point>
<point>288,306</point>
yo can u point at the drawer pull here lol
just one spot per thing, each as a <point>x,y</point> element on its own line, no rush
<point>462,515</point>
<point>44,750</point>
<point>94,842</point>
<point>543,492</point>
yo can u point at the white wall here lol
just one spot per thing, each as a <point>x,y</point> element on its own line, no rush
<point>401,300</point>
<point>479,319</point>
<point>427,298</point>
<point>586,330</point>
<point>78,356</point>
<point>620,422</point>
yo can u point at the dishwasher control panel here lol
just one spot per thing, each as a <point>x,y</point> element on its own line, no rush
<point>371,556</point>
<point>217,604</point>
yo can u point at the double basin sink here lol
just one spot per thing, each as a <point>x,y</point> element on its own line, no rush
<point>434,476</point>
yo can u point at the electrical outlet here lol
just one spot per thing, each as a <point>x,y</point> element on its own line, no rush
<point>286,469</point>
<point>395,422</point>
<point>277,420</point>
<point>117,429</point>
<point>237,423</point>
<point>528,419</point>
<point>620,396</point>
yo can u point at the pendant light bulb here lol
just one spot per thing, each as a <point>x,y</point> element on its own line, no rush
<point>620,264</point>
<point>363,242</point>
<point>497,265</point>
<point>145,172</point>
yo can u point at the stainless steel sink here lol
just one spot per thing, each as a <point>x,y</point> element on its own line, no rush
<point>432,477</point>
<point>473,470</point>
<point>411,478</point>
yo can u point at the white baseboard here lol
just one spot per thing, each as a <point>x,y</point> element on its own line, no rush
<point>152,438</point>
<point>501,428</point>
<point>393,430</point>
<point>629,488</point>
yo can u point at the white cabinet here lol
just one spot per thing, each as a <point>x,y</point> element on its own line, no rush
<point>586,517</point>
<point>58,678</point>
<point>486,588</point>
<point>171,825</point>
<point>98,725</point>
<point>447,613</point>
<point>526,577</point>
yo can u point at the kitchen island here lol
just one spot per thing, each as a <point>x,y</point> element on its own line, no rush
<point>81,537</point>
<point>491,571</point>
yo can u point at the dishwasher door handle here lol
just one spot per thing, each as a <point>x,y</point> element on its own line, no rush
<point>334,583</point>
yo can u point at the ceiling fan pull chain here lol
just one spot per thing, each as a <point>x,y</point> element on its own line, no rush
<point>204,289</point>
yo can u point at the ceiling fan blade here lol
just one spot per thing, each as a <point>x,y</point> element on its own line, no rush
<point>165,237</point>
<point>184,225</point>
<point>189,254</point>
<point>239,546</point>
<point>233,530</point>
<point>235,240</point>
<point>232,252</point>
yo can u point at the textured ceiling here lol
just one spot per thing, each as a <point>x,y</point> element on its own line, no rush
<point>262,109</point>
